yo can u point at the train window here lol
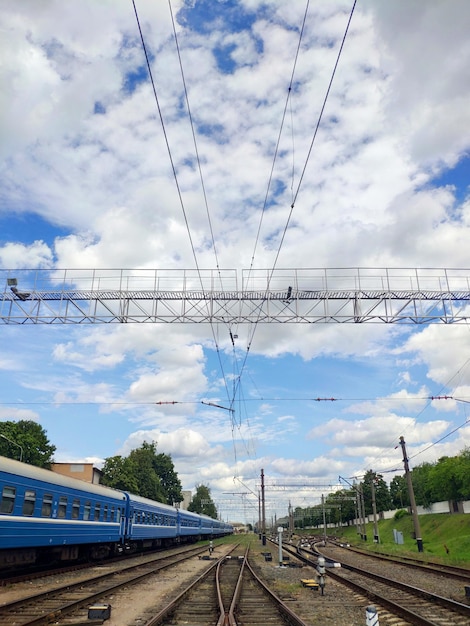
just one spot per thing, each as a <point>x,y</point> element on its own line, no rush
<point>86,511</point>
<point>105,513</point>
<point>111,514</point>
<point>97,511</point>
<point>46,509</point>
<point>118,515</point>
<point>75,509</point>
<point>8,500</point>
<point>29,502</point>
<point>62,510</point>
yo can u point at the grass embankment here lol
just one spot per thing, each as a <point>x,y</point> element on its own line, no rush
<point>446,538</point>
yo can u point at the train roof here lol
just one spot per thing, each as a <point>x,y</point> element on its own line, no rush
<point>187,513</point>
<point>38,473</point>
<point>142,500</point>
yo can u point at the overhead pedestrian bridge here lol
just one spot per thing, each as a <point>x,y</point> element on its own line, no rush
<point>283,296</point>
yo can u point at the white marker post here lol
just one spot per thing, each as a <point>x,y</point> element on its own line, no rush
<point>372,618</point>
<point>280,530</point>
<point>321,573</point>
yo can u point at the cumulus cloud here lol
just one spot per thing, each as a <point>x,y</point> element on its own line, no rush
<point>17,255</point>
<point>84,151</point>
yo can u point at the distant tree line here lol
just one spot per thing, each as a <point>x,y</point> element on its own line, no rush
<point>448,479</point>
<point>143,472</point>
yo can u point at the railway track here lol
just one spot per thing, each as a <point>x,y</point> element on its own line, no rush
<point>411,603</point>
<point>7,579</point>
<point>450,571</point>
<point>230,594</point>
<point>54,605</point>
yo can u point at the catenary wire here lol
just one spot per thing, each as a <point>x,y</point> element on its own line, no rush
<point>198,160</point>
<point>175,176</point>
<point>237,380</point>
<point>465,399</point>
<point>276,150</point>
<point>214,247</point>
<point>429,399</point>
<point>271,273</point>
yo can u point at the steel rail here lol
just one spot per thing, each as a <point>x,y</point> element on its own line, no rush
<point>47,614</point>
<point>394,607</point>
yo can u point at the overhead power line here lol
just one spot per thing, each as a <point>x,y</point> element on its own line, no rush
<point>175,176</point>
<point>253,331</point>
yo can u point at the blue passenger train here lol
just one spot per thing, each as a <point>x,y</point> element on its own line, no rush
<point>46,517</point>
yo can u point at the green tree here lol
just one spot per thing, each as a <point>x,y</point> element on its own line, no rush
<point>345,505</point>
<point>118,473</point>
<point>421,479</point>
<point>148,481</point>
<point>144,473</point>
<point>446,479</point>
<point>383,500</point>
<point>26,440</point>
<point>202,502</point>
<point>399,492</point>
<point>169,480</point>
<point>463,472</point>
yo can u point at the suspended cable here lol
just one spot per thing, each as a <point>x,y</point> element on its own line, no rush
<point>244,401</point>
<point>276,150</point>
<point>431,399</point>
<point>304,168</point>
<point>174,168</point>
<point>195,143</point>
<point>323,106</point>
<point>214,247</point>
<point>144,47</point>
<point>250,338</point>
<point>413,456</point>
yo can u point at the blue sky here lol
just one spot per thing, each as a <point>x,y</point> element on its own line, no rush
<point>86,182</point>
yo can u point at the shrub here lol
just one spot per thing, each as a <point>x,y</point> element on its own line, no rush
<point>400,513</point>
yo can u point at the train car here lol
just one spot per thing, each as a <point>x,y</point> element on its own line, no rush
<point>207,526</point>
<point>189,525</point>
<point>220,528</point>
<point>150,524</point>
<point>48,517</point>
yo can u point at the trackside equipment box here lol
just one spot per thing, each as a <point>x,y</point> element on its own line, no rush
<point>99,611</point>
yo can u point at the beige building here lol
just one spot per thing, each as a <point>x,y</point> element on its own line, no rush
<point>82,471</point>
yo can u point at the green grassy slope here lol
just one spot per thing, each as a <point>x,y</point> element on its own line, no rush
<point>446,538</point>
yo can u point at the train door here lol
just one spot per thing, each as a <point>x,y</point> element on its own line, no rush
<point>126,520</point>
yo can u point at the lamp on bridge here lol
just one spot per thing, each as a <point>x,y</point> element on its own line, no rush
<point>13,284</point>
<point>15,444</point>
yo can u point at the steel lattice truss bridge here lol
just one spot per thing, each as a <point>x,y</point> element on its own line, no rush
<point>309,296</point>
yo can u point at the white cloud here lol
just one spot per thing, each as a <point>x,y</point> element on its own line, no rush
<point>83,148</point>
<point>15,414</point>
<point>377,431</point>
<point>17,255</point>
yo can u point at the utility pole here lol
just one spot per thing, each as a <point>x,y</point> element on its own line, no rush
<point>414,512</point>
<point>263,511</point>
<point>259,515</point>
<point>324,518</point>
<point>362,514</point>
<point>291,521</point>
<point>374,508</point>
